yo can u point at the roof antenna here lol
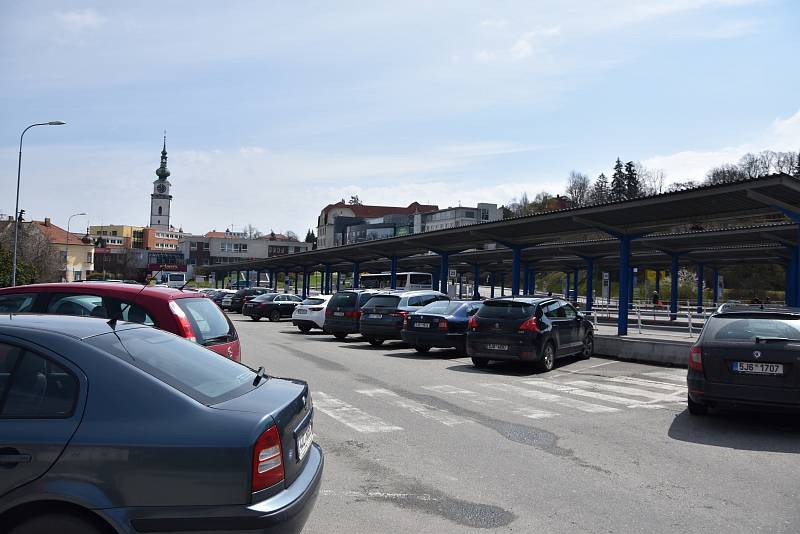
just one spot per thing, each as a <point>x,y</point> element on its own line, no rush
<point>113,321</point>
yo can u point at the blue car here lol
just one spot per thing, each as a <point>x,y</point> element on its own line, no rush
<point>119,427</point>
<point>440,324</point>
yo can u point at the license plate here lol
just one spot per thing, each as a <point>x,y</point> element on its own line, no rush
<point>422,325</point>
<point>495,346</point>
<point>304,441</point>
<point>301,311</point>
<point>338,314</point>
<point>375,316</point>
<point>757,368</point>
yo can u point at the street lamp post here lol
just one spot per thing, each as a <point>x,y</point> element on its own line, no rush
<point>66,253</point>
<point>16,205</point>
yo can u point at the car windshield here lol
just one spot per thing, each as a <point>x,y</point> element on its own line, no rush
<point>312,301</point>
<point>750,328</point>
<point>210,325</point>
<point>383,301</point>
<point>505,309</point>
<point>443,307</point>
<point>196,371</point>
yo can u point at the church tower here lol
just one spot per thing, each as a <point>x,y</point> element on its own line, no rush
<point>160,200</point>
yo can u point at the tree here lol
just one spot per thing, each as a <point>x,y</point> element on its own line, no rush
<point>578,188</point>
<point>632,185</point>
<point>540,202</point>
<point>310,237</point>
<point>291,236</point>
<point>618,186</point>
<point>251,232</point>
<point>354,201</point>
<point>725,173</point>
<point>600,191</point>
<point>651,181</point>
<point>797,165</point>
<point>680,186</point>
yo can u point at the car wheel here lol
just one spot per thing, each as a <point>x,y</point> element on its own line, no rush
<point>422,348</point>
<point>480,363</point>
<point>275,316</point>
<point>341,336</point>
<point>375,342</point>
<point>255,318</point>
<point>63,523</point>
<point>304,328</point>
<point>588,347</point>
<point>548,357</point>
<point>696,408</point>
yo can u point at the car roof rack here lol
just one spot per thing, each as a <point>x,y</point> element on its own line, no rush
<point>729,307</point>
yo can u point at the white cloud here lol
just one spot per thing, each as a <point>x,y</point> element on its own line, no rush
<point>494,23</point>
<point>80,20</point>
<point>523,48</point>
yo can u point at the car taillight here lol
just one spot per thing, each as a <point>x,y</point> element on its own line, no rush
<point>696,358</point>
<point>442,325</point>
<point>352,314</point>
<point>267,460</point>
<point>472,324</point>
<point>529,326</point>
<point>328,312</point>
<point>315,309</point>
<point>402,314</point>
<point>183,321</point>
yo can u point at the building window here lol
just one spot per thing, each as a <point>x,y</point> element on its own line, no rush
<point>113,232</point>
<point>76,276</point>
<point>193,245</point>
<point>88,257</point>
<point>159,210</point>
<point>206,246</point>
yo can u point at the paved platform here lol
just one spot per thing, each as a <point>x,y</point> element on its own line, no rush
<point>665,348</point>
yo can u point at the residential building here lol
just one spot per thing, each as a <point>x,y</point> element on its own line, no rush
<point>76,250</point>
<point>118,235</point>
<point>337,220</point>
<point>455,217</point>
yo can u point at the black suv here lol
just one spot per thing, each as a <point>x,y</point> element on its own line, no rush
<point>746,355</point>
<point>537,329</point>
<point>384,316</point>
<point>343,313</point>
<point>243,295</point>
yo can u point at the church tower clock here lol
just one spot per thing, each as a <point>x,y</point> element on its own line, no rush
<point>160,200</point>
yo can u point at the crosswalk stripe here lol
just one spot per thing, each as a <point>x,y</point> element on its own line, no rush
<point>350,415</point>
<point>674,388</point>
<point>624,390</point>
<point>550,397</point>
<point>563,388</point>
<point>482,399</point>
<point>666,375</point>
<point>429,412</point>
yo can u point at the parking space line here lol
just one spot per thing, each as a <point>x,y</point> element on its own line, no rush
<point>350,415</point>
<point>674,388</point>
<point>625,390</point>
<point>479,398</point>
<point>563,388</point>
<point>550,397</point>
<point>429,412</point>
<point>666,375</point>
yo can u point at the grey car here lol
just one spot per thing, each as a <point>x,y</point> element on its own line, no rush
<point>123,428</point>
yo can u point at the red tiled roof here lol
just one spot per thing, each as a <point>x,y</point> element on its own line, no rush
<point>362,210</point>
<point>57,235</point>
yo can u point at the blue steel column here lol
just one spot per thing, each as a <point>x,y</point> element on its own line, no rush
<point>258,278</point>
<point>515,268</point>
<point>700,273</point>
<point>575,285</point>
<point>492,276</point>
<point>502,284</point>
<point>247,278</point>
<point>285,280</point>
<point>532,287</point>
<point>589,283</point>
<point>237,278</point>
<point>443,272</point>
<point>393,280</point>
<point>658,282</point>
<point>715,289</point>
<point>435,280</point>
<point>673,293</point>
<point>567,282</point>
<point>356,275</point>
<point>624,284</point>
<point>476,275</point>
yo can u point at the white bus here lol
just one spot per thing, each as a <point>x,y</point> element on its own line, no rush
<point>408,281</point>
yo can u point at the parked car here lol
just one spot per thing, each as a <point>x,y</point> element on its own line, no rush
<point>531,329</point>
<point>343,312</point>
<point>185,313</point>
<point>440,324</point>
<point>384,315</point>
<point>310,313</point>
<point>746,356</point>
<point>274,306</point>
<point>130,429</point>
<point>225,302</point>
<point>240,297</point>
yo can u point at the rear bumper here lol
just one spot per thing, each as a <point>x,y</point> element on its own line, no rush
<point>336,325</point>
<point>519,347</point>
<point>305,322</point>
<point>379,331</point>
<point>435,339</point>
<point>705,392</point>
<point>284,512</point>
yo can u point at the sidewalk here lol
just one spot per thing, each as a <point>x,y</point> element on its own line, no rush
<point>667,348</point>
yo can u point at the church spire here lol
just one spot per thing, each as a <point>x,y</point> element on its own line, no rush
<point>163,172</point>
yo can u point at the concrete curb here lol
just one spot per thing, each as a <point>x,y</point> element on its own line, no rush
<point>662,352</point>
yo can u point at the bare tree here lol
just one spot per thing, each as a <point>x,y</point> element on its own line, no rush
<point>578,188</point>
<point>785,162</point>
<point>291,236</point>
<point>354,201</point>
<point>251,232</point>
<point>651,181</point>
<point>725,173</point>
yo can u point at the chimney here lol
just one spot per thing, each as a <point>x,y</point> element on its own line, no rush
<point>47,221</point>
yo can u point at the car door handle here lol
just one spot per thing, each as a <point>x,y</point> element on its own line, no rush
<point>13,459</point>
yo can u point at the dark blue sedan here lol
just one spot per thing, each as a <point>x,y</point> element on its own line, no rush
<point>125,428</point>
<point>440,324</point>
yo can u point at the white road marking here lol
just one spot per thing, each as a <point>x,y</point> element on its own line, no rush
<point>482,399</point>
<point>379,495</point>
<point>562,372</point>
<point>549,397</point>
<point>672,388</point>
<point>563,388</point>
<point>350,415</point>
<point>624,390</point>
<point>429,412</point>
<point>666,375</point>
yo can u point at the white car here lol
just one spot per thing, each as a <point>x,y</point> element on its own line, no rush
<point>310,313</point>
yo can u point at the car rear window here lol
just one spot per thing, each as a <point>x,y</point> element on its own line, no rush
<point>312,301</point>
<point>506,309</point>
<point>199,373</point>
<point>264,297</point>
<point>17,303</point>
<point>210,325</point>
<point>383,301</point>
<point>749,328</point>
<point>443,307</point>
<point>343,299</point>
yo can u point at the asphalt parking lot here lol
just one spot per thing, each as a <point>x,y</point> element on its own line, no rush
<point>427,443</point>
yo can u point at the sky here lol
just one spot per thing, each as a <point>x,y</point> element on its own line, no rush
<point>275,109</point>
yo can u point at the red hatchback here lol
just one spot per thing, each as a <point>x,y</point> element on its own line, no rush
<point>186,313</point>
